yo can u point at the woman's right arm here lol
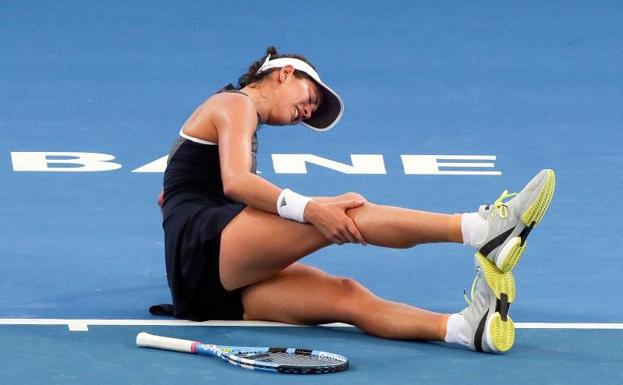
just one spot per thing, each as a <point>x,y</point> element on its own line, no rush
<point>236,121</point>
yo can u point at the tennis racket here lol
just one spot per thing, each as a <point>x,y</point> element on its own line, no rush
<point>281,360</point>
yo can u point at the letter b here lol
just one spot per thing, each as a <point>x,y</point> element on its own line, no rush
<point>63,161</point>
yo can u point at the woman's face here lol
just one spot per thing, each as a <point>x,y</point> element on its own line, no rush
<point>295,99</point>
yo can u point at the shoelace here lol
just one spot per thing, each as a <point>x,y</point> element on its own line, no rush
<point>500,206</point>
<point>471,293</point>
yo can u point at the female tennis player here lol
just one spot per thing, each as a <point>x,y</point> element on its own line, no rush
<point>233,240</point>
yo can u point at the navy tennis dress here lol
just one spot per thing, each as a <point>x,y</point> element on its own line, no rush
<point>195,212</point>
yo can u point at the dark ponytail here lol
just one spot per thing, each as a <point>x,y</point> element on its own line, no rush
<point>251,76</point>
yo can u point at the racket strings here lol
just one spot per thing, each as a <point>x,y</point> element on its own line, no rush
<point>294,359</point>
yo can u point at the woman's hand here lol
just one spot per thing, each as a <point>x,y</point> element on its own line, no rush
<point>329,217</point>
<point>160,199</point>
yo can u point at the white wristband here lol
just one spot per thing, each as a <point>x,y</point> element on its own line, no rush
<point>291,205</point>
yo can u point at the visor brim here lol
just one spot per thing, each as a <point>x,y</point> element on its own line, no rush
<point>328,113</point>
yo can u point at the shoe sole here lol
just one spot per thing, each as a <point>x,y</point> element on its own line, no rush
<point>514,248</point>
<point>499,326</point>
<point>501,333</point>
<point>536,211</point>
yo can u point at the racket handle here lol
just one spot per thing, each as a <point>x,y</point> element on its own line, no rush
<point>157,342</point>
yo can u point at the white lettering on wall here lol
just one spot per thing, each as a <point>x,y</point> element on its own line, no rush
<point>63,161</point>
<point>158,165</point>
<point>367,164</point>
<point>448,164</point>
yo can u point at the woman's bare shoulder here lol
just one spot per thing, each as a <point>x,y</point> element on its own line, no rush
<point>218,113</point>
<point>230,105</point>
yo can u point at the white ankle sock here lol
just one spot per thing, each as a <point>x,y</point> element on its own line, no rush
<point>474,229</point>
<point>458,330</point>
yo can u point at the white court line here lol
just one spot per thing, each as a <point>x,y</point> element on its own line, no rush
<point>569,325</point>
<point>83,324</point>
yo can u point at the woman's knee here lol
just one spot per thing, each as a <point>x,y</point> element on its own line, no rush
<point>351,296</point>
<point>356,197</point>
<point>353,196</point>
<point>349,287</point>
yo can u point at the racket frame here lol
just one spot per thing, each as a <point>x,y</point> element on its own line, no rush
<point>234,355</point>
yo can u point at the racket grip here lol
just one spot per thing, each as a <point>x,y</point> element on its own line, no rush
<point>147,340</point>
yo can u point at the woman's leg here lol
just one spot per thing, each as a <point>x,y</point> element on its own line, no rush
<point>303,294</point>
<point>256,245</point>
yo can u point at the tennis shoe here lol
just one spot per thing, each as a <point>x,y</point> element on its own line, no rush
<point>492,293</point>
<point>510,221</point>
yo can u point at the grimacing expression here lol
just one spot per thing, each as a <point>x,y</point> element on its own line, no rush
<point>297,99</point>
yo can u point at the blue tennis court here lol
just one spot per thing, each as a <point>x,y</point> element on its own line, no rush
<point>447,105</point>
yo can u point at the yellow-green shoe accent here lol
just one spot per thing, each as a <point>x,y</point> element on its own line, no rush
<point>511,218</point>
<point>536,211</point>
<point>487,311</point>
<point>517,248</point>
<point>500,327</point>
<point>502,284</point>
<point>501,333</point>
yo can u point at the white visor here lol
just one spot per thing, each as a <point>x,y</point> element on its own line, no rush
<point>330,110</point>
